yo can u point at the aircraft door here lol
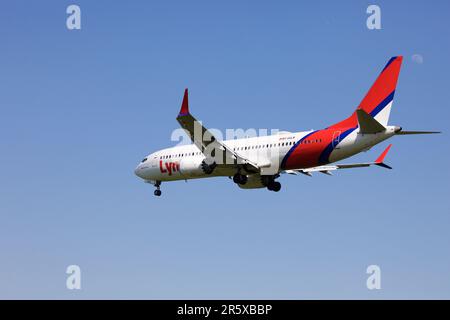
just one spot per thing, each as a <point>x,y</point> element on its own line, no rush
<point>154,161</point>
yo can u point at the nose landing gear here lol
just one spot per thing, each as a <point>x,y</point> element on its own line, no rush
<point>158,188</point>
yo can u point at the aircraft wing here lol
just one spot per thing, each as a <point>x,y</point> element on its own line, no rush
<point>416,132</point>
<point>327,168</point>
<point>215,151</point>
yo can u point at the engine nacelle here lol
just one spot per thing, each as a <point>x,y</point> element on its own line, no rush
<point>191,167</point>
<point>254,181</point>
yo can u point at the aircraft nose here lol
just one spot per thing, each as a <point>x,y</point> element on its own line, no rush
<point>138,171</point>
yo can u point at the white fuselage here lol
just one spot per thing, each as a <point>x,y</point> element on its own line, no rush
<point>184,162</point>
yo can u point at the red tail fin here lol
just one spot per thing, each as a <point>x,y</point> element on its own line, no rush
<point>378,100</point>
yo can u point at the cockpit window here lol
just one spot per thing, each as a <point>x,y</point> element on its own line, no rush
<point>143,160</point>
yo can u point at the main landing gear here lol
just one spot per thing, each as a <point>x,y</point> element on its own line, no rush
<point>158,188</point>
<point>270,183</point>
<point>240,178</point>
<point>274,186</point>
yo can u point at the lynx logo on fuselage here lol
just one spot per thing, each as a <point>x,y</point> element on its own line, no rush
<point>169,167</point>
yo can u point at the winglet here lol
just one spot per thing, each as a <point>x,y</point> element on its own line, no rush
<point>185,104</point>
<point>380,159</point>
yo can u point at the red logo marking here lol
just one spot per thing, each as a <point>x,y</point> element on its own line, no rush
<point>169,167</point>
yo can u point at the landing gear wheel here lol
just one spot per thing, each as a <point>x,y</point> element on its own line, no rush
<point>240,178</point>
<point>274,186</point>
<point>158,190</point>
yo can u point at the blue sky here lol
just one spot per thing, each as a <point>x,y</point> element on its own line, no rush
<point>79,109</point>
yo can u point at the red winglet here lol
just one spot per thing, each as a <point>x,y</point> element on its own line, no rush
<point>185,105</point>
<point>383,155</point>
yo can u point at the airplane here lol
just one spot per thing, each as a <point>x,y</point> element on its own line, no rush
<point>257,162</point>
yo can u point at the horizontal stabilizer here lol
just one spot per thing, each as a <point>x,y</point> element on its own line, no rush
<point>367,123</point>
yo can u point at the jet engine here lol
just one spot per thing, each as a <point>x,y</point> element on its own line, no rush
<point>194,167</point>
